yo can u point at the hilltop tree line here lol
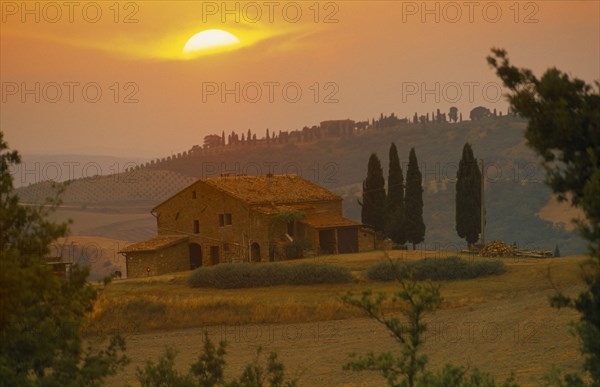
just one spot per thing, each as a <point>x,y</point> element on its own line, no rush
<point>398,214</point>
<point>327,129</point>
<point>337,128</point>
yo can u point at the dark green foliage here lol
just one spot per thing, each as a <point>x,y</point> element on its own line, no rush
<point>295,249</point>
<point>282,218</point>
<point>556,252</point>
<point>435,269</point>
<point>468,197</point>
<point>255,375</point>
<point>40,313</point>
<point>455,376</point>
<point>395,200</point>
<point>413,202</point>
<point>246,275</point>
<point>373,198</point>
<point>564,129</point>
<point>163,373</point>
<point>414,299</point>
<point>480,112</point>
<point>209,368</point>
<point>556,378</point>
<point>453,114</point>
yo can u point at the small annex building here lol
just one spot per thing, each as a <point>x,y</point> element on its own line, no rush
<point>245,219</point>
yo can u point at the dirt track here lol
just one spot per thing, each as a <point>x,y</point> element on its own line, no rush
<point>522,334</point>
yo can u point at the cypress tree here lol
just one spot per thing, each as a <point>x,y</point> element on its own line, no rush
<point>395,199</point>
<point>468,197</point>
<point>413,202</point>
<point>373,201</point>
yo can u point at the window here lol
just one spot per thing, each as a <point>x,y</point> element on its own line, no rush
<point>196,226</point>
<point>225,246</point>
<point>193,194</point>
<point>224,220</point>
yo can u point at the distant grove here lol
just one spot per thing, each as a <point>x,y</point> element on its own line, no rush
<point>326,129</point>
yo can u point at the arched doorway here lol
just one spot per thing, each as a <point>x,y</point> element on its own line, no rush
<point>255,252</point>
<point>195,256</point>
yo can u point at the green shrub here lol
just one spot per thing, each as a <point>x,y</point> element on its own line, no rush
<point>436,269</point>
<point>452,375</point>
<point>293,250</point>
<point>209,370</point>
<point>247,275</point>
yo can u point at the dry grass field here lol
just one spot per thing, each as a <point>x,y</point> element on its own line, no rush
<point>499,324</point>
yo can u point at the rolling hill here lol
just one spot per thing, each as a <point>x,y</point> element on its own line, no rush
<point>515,193</point>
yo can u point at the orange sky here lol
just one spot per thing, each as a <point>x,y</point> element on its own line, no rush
<point>363,59</point>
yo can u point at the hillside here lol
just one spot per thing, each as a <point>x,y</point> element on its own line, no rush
<point>515,194</point>
<point>35,168</point>
<point>499,323</point>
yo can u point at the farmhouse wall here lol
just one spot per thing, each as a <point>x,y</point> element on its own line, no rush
<point>167,260</point>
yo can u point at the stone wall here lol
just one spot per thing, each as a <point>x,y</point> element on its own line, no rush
<point>168,260</point>
<point>204,203</point>
<point>366,240</point>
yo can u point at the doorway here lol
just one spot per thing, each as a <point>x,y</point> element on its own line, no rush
<point>255,252</point>
<point>195,256</point>
<point>214,255</point>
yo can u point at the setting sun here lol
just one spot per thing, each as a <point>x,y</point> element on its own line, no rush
<point>210,40</point>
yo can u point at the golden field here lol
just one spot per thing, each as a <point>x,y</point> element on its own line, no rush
<point>500,323</point>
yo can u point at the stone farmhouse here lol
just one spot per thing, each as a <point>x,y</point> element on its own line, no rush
<point>245,219</point>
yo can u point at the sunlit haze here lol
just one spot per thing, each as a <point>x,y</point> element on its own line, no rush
<point>161,93</point>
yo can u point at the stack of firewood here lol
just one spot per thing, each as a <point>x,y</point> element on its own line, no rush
<point>496,248</point>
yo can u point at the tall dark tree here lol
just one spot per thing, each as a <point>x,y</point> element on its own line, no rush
<point>564,129</point>
<point>373,200</point>
<point>413,202</point>
<point>468,197</point>
<point>453,114</point>
<point>395,199</point>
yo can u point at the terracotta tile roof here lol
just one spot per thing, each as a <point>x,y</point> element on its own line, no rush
<point>153,244</point>
<point>279,189</point>
<point>326,220</point>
